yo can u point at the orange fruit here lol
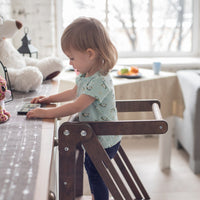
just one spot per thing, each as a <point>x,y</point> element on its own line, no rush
<point>134,70</point>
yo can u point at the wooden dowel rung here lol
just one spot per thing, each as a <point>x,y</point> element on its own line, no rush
<point>156,111</point>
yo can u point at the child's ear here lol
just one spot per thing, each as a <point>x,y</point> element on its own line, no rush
<point>91,53</point>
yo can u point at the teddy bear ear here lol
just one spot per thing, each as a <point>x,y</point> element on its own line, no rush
<point>1,20</point>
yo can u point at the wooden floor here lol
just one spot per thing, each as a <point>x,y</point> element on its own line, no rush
<point>176,183</point>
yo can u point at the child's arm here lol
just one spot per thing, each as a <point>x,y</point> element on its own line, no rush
<point>76,106</point>
<point>67,95</point>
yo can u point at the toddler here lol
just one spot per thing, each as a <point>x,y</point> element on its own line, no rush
<point>86,43</point>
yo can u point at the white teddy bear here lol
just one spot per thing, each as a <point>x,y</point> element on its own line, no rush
<point>26,74</point>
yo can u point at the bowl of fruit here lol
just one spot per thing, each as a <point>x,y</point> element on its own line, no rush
<point>129,72</point>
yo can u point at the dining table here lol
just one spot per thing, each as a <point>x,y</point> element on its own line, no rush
<point>166,88</point>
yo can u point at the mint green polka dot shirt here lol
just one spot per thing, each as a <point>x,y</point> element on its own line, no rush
<point>103,108</point>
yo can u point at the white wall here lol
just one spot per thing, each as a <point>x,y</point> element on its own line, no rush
<point>5,9</point>
<point>38,16</point>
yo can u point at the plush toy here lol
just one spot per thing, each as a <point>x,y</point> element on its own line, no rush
<point>4,93</point>
<point>26,74</point>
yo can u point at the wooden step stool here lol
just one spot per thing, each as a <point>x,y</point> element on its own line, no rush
<point>73,135</point>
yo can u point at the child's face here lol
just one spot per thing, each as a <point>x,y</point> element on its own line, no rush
<point>83,62</point>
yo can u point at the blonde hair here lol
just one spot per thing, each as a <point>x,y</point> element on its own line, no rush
<point>84,33</point>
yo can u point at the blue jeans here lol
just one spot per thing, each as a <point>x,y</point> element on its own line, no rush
<point>97,186</point>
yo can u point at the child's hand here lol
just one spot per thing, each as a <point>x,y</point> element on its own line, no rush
<point>36,113</point>
<point>41,99</point>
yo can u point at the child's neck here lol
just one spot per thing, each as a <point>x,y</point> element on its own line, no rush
<point>91,72</point>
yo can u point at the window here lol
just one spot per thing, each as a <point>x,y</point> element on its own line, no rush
<point>145,27</point>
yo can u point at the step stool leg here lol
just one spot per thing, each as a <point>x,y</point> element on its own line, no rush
<point>67,174</point>
<point>133,173</point>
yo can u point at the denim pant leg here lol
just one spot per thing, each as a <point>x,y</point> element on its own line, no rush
<point>97,186</point>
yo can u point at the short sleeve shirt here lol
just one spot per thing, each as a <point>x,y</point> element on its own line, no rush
<point>103,108</point>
